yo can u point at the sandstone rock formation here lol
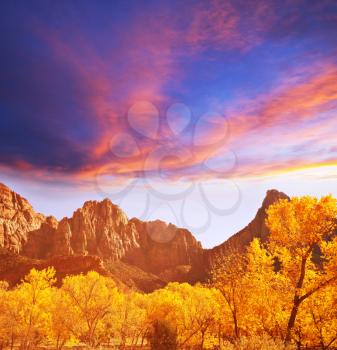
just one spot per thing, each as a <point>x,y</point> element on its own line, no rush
<point>102,229</point>
<point>39,242</point>
<point>144,255</point>
<point>166,250</point>
<point>98,228</point>
<point>155,251</point>
<point>17,220</point>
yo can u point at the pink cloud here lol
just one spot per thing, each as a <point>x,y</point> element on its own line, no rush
<point>207,25</point>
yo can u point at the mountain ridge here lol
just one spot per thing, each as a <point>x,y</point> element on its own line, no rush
<point>150,254</point>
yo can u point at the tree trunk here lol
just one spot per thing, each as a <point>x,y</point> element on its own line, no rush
<point>202,339</point>
<point>236,327</point>
<point>297,300</point>
<point>219,336</point>
<point>292,319</point>
<point>12,342</point>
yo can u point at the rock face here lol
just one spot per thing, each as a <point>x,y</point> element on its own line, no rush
<point>164,247</point>
<point>255,229</point>
<point>146,254</point>
<point>17,220</point>
<point>161,251</point>
<point>102,229</point>
<point>98,228</point>
<point>39,243</point>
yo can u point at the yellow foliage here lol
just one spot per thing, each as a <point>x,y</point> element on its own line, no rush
<point>299,228</point>
<point>276,295</point>
<point>93,302</point>
<point>302,222</point>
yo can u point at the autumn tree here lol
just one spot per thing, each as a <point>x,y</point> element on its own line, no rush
<point>10,318</point>
<point>194,311</point>
<point>4,301</point>
<point>63,319</point>
<point>130,319</point>
<point>297,228</point>
<point>199,313</point>
<point>319,318</point>
<point>268,293</point>
<point>163,304</point>
<point>228,277</point>
<point>29,316</point>
<point>93,300</point>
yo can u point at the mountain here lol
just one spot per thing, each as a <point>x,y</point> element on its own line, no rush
<point>255,229</point>
<point>18,220</point>
<point>99,236</point>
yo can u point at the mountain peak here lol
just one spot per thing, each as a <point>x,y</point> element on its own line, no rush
<point>17,219</point>
<point>3,187</point>
<point>273,196</point>
<point>105,203</point>
<point>11,200</point>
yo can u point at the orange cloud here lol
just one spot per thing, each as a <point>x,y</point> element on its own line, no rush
<point>291,103</point>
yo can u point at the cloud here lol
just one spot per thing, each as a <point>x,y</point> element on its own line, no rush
<point>289,127</point>
<point>69,87</point>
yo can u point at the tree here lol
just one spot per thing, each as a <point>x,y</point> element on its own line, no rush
<point>93,299</point>
<point>30,303</point>
<point>193,311</point>
<point>322,314</point>
<point>62,319</point>
<point>228,277</point>
<point>198,313</point>
<point>163,304</point>
<point>163,336</point>
<point>265,307</point>
<point>130,319</point>
<point>4,321</point>
<point>298,227</point>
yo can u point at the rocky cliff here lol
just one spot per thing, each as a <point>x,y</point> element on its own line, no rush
<point>255,229</point>
<point>146,255</point>
<point>168,251</point>
<point>98,228</point>
<point>17,220</point>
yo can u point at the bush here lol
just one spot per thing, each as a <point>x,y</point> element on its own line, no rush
<point>163,336</point>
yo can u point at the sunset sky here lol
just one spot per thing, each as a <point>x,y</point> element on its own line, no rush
<point>186,111</point>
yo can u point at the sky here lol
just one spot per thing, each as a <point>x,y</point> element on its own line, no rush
<point>182,111</point>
